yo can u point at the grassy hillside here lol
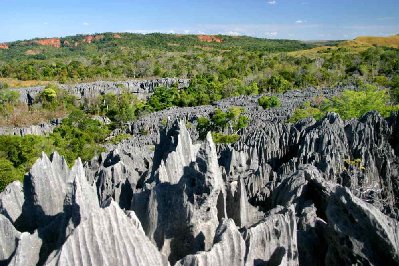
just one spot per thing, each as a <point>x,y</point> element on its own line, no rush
<point>358,44</point>
<point>367,41</point>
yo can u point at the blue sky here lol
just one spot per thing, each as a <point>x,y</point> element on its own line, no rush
<point>287,19</point>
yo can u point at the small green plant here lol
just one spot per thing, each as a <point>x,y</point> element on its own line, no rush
<point>269,102</point>
<point>355,163</point>
<point>118,138</point>
<point>164,122</point>
<point>4,85</point>
<point>144,132</point>
<point>120,86</point>
<point>307,110</point>
<point>220,138</point>
<point>50,93</point>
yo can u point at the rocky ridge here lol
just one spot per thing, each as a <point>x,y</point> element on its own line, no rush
<point>142,88</point>
<point>311,193</point>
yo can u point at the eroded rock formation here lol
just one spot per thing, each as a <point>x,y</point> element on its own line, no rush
<point>311,193</point>
<point>54,42</point>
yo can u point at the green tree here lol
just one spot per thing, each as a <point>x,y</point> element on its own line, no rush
<point>269,102</point>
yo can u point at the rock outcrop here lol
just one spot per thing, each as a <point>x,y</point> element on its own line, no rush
<point>228,248</point>
<point>40,130</point>
<point>54,42</point>
<point>108,237</point>
<point>209,38</point>
<point>311,193</point>
<point>141,88</point>
<point>273,241</point>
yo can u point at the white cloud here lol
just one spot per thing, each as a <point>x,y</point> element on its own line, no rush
<point>299,21</point>
<point>86,24</point>
<point>186,31</point>
<point>272,2</point>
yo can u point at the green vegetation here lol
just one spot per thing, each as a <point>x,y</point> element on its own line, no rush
<point>78,136</point>
<point>223,125</point>
<point>220,138</point>
<point>350,104</point>
<point>17,155</point>
<point>269,102</point>
<point>131,56</point>
<point>357,163</point>
<point>53,98</point>
<point>8,99</point>
<point>118,108</point>
<point>236,66</point>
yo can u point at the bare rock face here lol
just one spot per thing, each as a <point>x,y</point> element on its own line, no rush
<point>273,241</point>
<point>198,196</point>
<point>228,248</point>
<point>59,214</point>
<point>28,250</point>
<point>11,201</point>
<point>108,237</point>
<point>171,168</point>
<point>336,227</point>
<point>8,239</point>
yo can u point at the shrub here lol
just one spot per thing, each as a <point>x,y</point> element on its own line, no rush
<point>269,102</point>
<point>79,136</point>
<point>306,111</point>
<point>354,104</point>
<point>220,138</point>
<point>4,85</point>
<point>231,120</point>
<point>8,173</point>
<point>350,104</point>
<point>17,154</point>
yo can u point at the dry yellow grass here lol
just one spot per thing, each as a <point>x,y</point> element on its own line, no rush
<point>367,41</point>
<point>357,45</point>
<point>23,116</point>
<point>15,83</point>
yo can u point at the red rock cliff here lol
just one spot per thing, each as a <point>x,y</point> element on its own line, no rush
<point>91,38</point>
<point>3,46</point>
<point>54,42</point>
<point>209,38</point>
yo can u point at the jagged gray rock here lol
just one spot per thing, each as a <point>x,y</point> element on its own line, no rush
<point>42,203</point>
<point>8,239</point>
<point>28,250</point>
<point>142,88</point>
<point>108,237</point>
<point>310,193</point>
<point>198,198</point>
<point>228,248</point>
<point>40,130</point>
<point>340,227</point>
<point>11,201</point>
<point>273,241</point>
